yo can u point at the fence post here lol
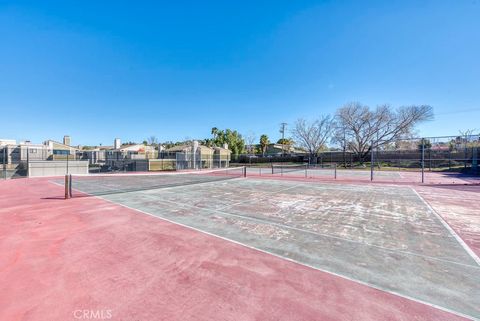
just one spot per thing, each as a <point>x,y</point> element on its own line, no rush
<point>430,159</point>
<point>449,159</point>
<point>475,159</point>
<point>4,167</point>
<point>28,161</point>
<point>423,160</point>
<point>371,161</point>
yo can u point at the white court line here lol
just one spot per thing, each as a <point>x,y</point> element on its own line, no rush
<point>297,262</point>
<point>323,186</point>
<point>450,229</point>
<point>281,225</point>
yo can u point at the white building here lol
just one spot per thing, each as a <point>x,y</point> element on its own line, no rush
<point>4,142</point>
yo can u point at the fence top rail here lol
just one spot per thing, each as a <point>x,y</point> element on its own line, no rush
<point>438,137</point>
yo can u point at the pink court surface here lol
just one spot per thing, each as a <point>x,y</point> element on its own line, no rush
<point>256,248</point>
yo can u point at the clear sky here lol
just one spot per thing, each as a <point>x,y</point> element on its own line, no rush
<point>174,69</point>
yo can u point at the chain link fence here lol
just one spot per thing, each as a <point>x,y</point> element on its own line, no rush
<point>411,159</point>
<point>16,160</point>
<point>416,160</point>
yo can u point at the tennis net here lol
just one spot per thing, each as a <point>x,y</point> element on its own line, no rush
<point>280,169</point>
<point>98,184</point>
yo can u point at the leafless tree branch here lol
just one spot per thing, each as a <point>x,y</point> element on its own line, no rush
<point>312,136</point>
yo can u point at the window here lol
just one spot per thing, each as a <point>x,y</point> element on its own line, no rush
<point>61,152</point>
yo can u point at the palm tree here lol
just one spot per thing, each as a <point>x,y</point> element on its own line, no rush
<point>264,143</point>
<point>214,132</point>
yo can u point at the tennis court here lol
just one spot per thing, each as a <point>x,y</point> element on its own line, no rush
<point>361,175</point>
<point>317,249</point>
<point>383,236</point>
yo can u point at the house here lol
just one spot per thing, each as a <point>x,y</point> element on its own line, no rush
<point>131,152</point>
<point>61,151</point>
<point>126,156</point>
<point>129,157</point>
<point>279,149</point>
<point>13,153</point>
<point>4,142</point>
<point>196,156</point>
<point>95,155</point>
<point>222,156</point>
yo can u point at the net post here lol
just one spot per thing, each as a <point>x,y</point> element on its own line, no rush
<point>335,170</point>
<point>70,194</point>
<point>67,188</point>
<point>272,168</point>
<point>244,171</point>
<point>306,171</point>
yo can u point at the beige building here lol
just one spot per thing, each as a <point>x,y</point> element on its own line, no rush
<point>61,151</point>
<point>196,156</point>
<point>279,149</point>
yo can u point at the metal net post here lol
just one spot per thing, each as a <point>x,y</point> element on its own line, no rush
<point>67,187</point>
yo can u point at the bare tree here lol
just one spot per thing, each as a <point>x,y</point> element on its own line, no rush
<point>366,129</point>
<point>468,132</point>
<point>339,137</point>
<point>469,138</point>
<point>312,136</point>
<point>152,140</point>
<point>250,139</point>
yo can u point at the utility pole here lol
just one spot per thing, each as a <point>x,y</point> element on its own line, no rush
<point>283,126</point>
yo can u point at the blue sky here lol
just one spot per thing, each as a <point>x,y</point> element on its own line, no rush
<point>103,69</point>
